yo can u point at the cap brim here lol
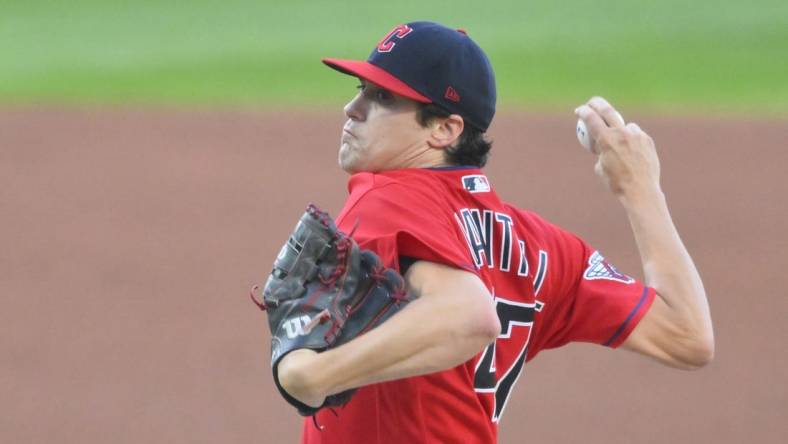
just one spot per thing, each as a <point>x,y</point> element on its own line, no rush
<point>376,75</point>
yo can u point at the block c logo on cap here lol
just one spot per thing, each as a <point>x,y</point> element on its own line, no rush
<point>388,43</point>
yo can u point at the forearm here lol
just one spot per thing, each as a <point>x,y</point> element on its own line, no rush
<point>451,321</point>
<point>411,343</point>
<point>667,265</point>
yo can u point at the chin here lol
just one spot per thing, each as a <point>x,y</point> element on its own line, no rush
<point>346,164</point>
<point>353,167</point>
<point>347,169</point>
<point>347,161</point>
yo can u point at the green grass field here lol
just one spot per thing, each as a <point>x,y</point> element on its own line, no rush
<point>667,54</point>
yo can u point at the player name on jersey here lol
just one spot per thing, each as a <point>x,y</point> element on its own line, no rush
<point>478,226</point>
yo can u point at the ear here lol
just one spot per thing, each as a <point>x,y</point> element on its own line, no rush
<point>446,131</point>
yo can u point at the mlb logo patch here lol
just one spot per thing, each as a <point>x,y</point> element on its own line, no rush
<point>599,268</point>
<point>476,183</point>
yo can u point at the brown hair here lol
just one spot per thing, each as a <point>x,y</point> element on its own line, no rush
<point>472,147</point>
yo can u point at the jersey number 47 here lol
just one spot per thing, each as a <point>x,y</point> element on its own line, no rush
<point>508,351</point>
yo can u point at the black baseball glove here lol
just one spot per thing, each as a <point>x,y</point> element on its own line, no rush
<point>324,291</point>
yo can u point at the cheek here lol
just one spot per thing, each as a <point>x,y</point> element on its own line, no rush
<point>353,146</point>
<point>398,137</point>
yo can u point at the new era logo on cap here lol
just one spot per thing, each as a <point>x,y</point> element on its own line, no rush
<point>452,95</point>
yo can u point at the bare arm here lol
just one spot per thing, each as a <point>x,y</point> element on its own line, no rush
<point>453,319</point>
<point>677,329</point>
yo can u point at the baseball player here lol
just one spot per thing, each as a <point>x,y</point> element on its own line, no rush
<point>496,284</point>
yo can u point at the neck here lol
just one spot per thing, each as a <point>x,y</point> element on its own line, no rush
<point>423,157</point>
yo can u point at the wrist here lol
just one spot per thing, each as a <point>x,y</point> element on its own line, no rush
<point>295,373</point>
<point>636,197</point>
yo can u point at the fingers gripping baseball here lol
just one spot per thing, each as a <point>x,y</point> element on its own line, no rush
<point>627,162</point>
<point>611,117</point>
<point>626,156</point>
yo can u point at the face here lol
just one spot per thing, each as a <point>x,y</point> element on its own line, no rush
<point>381,132</point>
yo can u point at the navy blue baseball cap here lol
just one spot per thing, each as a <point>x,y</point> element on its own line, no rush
<point>430,63</point>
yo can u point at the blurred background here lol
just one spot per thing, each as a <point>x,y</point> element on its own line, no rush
<point>665,54</point>
<point>155,155</point>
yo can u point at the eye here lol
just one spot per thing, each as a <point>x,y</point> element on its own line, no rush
<point>383,96</point>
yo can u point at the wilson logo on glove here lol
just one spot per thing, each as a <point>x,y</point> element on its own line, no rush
<point>295,326</point>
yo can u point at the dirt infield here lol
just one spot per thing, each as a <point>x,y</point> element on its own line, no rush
<point>130,239</point>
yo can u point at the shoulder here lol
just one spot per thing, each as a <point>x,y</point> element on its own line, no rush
<point>403,213</point>
<point>535,224</point>
<point>397,191</point>
<point>547,241</point>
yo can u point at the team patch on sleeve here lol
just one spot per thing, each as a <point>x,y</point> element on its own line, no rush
<point>599,268</point>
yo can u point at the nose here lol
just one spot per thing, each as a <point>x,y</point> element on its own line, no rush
<point>356,109</point>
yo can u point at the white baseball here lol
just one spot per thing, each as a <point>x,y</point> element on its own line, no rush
<point>585,138</point>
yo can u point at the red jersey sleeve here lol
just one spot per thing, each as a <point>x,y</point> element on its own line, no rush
<point>591,300</point>
<point>395,220</point>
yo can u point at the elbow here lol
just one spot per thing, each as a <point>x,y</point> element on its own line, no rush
<point>470,327</point>
<point>703,349</point>
<point>485,324</point>
<point>697,353</point>
<point>701,355</point>
<point>491,328</point>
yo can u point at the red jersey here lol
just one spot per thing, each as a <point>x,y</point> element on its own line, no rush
<point>550,288</point>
